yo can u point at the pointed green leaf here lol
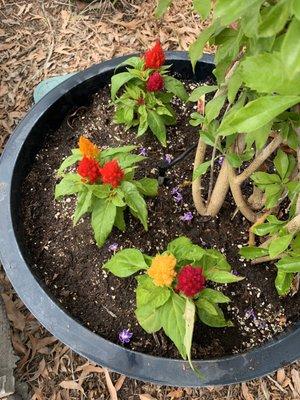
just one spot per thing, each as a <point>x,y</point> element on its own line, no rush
<point>135,202</point>
<point>162,7</point>
<point>290,49</point>
<point>202,7</point>
<point>70,184</point>
<point>279,245</point>
<point>117,81</point>
<point>126,262</point>
<point>283,282</point>
<point>84,203</point>
<point>157,126</point>
<point>176,87</point>
<point>103,217</point>
<point>201,169</point>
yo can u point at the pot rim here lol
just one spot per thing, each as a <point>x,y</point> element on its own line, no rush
<point>278,352</point>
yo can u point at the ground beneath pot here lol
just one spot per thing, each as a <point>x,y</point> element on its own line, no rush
<point>69,262</point>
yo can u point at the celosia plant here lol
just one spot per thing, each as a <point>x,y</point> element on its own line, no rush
<point>104,184</point>
<point>145,100</point>
<point>172,292</point>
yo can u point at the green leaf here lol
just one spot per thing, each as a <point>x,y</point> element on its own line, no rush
<point>147,186</point>
<point>149,318</point>
<point>202,7</point>
<point>273,194</point>
<point>251,252</point>
<point>283,282</point>
<point>264,82</point>
<point>281,162</point>
<point>196,48</point>
<point>143,122</point>
<point>189,317</point>
<point>76,156</point>
<point>266,229</point>
<point>117,81</point>
<point>149,294</point>
<point>215,321</point>
<point>176,87</point>
<point>280,244</point>
<point>256,114</point>
<point>201,169</point>
<point>205,305</point>
<point>135,202</point>
<point>126,262</point>
<point>221,276</point>
<point>134,61</point>
<point>231,10</point>
<point>84,203</point>
<point>70,184</point>
<point>296,9</point>
<point>157,126</point>
<point>234,84</point>
<point>100,191</point>
<point>289,264</point>
<point>178,245</point>
<point>126,160</point>
<point>112,152</point>
<point>200,91</point>
<point>214,296</point>
<point>103,217</point>
<point>290,49</point>
<point>173,322</point>
<point>263,178</point>
<point>162,7</point>
<point>213,107</point>
<point>119,220</point>
<point>274,19</point>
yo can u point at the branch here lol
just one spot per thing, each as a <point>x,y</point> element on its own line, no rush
<point>196,185</point>
<point>259,160</point>
<point>238,195</point>
<point>220,191</point>
<point>261,260</point>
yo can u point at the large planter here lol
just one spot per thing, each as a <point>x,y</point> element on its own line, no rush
<point>15,162</point>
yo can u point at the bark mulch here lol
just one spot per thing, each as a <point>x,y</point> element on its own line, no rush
<point>39,39</point>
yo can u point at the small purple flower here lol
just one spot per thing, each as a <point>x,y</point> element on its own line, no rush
<point>220,160</point>
<point>177,195</point>
<point>125,336</point>
<point>187,216</point>
<point>250,313</point>
<point>234,272</point>
<point>143,152</point>
<point>168,158</point>
<point>113,247</point>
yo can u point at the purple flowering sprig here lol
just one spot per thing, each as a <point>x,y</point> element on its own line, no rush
<point>125,336</point>
<point>177,194</point>
<point>187,216</point>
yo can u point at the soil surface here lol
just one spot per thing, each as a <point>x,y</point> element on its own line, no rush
<point>67,259</point>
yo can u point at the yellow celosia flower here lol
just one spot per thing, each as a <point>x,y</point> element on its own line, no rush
<point>162,269</point>
<point>87,148</point>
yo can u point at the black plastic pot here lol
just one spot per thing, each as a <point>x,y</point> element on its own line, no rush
<point>15,162</point>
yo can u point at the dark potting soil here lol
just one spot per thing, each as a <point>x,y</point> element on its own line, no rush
<point>67,259</point>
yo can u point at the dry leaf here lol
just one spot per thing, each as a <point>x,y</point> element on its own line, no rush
<point>245,391</point>
<point>71,385</point>
<point>146,396</point>
<point>175,394</point>
<point>110,386</point>
<point>14,315</point>
<point>296,380</point>
<point>120,382</point>
<point>280,376</point>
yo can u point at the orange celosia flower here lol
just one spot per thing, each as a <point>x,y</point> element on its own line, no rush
<point>87,148</point>
<point>162,269</point>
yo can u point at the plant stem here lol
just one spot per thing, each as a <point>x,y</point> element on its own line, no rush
<point>212,165</point>
<point>261,260</point>
<point>260,159</point>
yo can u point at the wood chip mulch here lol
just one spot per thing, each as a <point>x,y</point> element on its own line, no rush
<point>39,39</point>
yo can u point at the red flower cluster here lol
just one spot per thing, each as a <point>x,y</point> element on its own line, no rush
<point>155,82</point>
<point>89,169</point>
<point>112,173</point>
<point>190,280</point>
<point>155,57</point>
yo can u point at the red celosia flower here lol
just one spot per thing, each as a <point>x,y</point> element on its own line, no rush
<point>155,57</point>
<point>155,82</point>
<point>112,173</point>
<point>89,169</point>
<point>190,280</point>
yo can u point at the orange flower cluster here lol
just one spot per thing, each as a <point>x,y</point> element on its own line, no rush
<point>162,269</point>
